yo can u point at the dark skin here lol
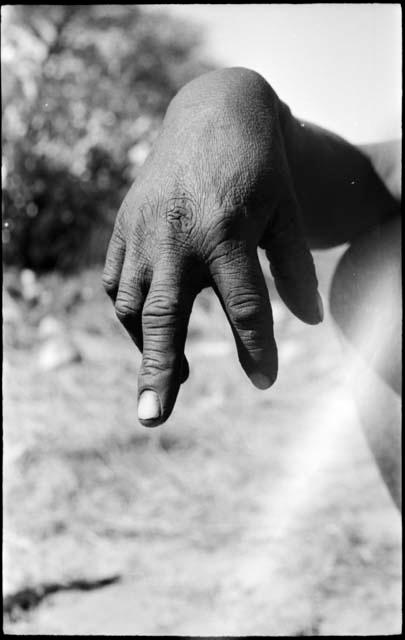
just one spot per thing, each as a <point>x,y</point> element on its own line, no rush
<point>231,171</point>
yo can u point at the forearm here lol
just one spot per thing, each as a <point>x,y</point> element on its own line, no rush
<point>386,159</point>
<point>338,189</point>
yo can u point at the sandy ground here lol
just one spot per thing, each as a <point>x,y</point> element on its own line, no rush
<point>249,513</point>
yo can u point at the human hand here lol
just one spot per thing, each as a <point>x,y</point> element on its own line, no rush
<point>215,187</point>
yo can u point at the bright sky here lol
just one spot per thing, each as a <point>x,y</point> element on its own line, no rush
<point>338,65</point>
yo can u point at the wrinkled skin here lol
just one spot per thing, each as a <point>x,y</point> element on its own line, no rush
<point>216,185</point>
<point>231,171</point>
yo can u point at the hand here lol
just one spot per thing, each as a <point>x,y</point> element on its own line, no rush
<point>215,187</point>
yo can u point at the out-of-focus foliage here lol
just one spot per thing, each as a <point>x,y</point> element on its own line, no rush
<point>84,90</point>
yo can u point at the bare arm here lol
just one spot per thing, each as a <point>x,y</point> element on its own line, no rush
<point>343,190</point>
<point>386,160</point>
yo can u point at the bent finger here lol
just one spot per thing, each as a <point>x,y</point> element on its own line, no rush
<point>240,285</point>
<point>114,260</point>
<point>292,265</point>
<point>165,319</point>
<point>129,301</point>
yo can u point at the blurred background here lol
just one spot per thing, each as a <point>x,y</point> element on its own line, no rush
<point>249,512</point>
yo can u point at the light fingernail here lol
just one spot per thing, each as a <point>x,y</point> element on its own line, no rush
<point>148,406</point>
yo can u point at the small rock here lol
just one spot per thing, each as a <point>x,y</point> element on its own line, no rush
<point>30,288</point>
<point>11,311</point>
<point>58,351</point>
<point>12,283</point>
<point>71,298</point>
<point>14,289</point>
<point>50,327</point>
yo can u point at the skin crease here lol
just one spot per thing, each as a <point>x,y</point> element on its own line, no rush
<point>233,170</point>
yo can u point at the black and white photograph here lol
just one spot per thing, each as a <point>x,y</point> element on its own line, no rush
<point>202,319</point>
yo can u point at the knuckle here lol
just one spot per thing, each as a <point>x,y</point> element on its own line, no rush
<point>226,229</point>
<point>109,283</point>
<point>158,361</point>
<point>224,253</point>
<point>161,309</point>
<point>243,305</point>
<point>121,219</point>
<point>116,246</point>
<point>181,213</point>
<point>125,311</point>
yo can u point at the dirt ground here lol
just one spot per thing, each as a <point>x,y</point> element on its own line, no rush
<point>248,513</point>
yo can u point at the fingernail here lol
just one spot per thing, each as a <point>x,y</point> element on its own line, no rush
<point>260,381</point>
<point>148,406</point>
<point>320,306</point>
